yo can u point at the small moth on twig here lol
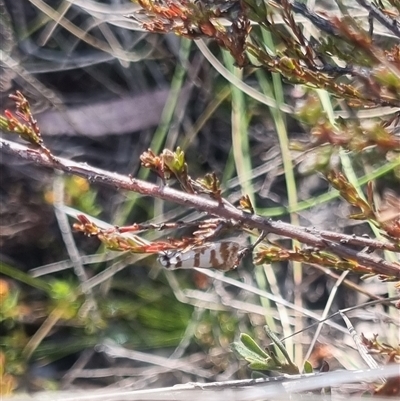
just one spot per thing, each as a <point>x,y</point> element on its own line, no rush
<point>223,255</point>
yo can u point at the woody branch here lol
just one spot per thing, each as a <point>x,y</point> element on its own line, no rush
<point>327,240</point>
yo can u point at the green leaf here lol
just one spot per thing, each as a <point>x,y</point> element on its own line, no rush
<point>250,344</point>
<point>267,365</point>
<point>307,368</point>
<point>17,274</point>
<point>290,367</point>
<point>247,354</point>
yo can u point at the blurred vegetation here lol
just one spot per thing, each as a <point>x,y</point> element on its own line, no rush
<point>277,108</point>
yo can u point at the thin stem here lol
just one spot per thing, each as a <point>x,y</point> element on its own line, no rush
<point>209,206</point>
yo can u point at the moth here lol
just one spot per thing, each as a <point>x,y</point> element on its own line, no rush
<point>223,255</point>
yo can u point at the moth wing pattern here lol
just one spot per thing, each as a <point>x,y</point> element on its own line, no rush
<point>221,255</point>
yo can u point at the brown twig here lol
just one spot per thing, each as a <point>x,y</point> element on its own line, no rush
<point>379,15</point>
<point>212,207</point>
